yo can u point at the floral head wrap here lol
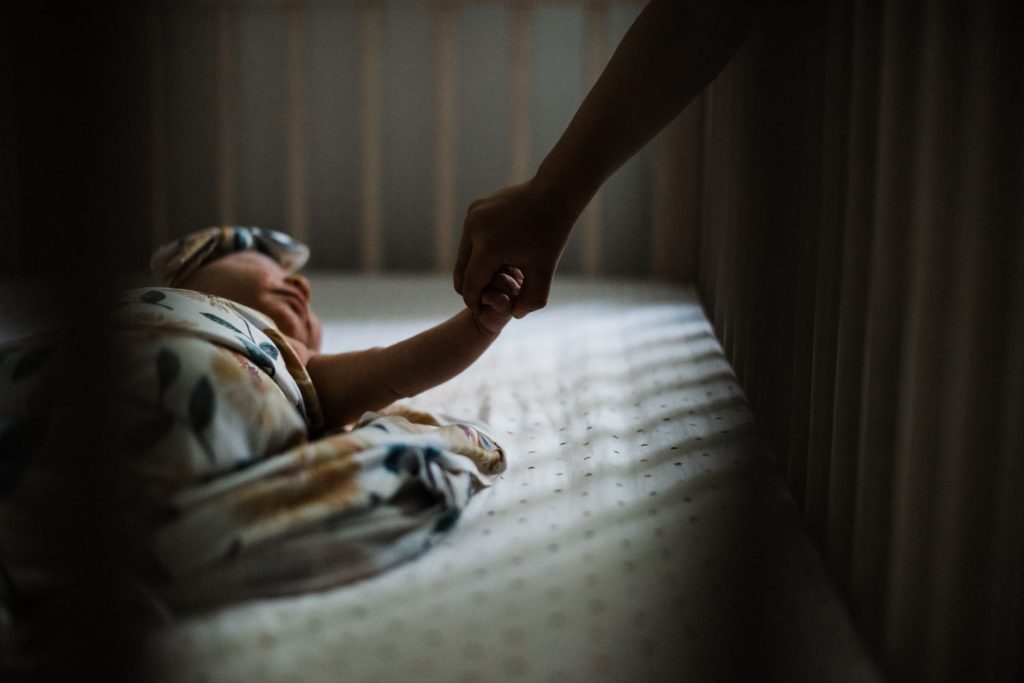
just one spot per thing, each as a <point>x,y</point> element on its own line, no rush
<point>175,261</point>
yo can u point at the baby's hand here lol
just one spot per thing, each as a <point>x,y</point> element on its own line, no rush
<point>497,299</point>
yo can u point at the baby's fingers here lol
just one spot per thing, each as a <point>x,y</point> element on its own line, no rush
<point>497,299</point>
<point>496,310</point>
<point>516,274</point>
<point>506,283</point>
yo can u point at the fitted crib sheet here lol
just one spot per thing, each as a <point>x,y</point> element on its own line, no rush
<point>641,532</point>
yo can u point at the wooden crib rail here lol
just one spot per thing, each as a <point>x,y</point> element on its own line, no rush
<point>439,70</point>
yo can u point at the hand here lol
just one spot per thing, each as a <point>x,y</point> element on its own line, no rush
<point>498,298</point>
<point>521,225</point>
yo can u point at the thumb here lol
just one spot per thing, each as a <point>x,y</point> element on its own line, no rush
<point>479,271</point>
<point>534,294</point>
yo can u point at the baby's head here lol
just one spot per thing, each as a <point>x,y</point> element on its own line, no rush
<point>258,281</point>
<point>250,266</point>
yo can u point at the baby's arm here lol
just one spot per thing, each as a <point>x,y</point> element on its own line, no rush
<point>348,384</point>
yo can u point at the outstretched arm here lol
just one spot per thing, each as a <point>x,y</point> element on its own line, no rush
<point>349,384</point>
<point>670,53</point>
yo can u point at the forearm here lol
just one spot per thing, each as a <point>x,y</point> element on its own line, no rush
<point>671,52</point>
<point>435,355</point>
<point>349,384</point>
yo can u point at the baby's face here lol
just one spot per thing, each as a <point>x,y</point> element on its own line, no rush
<point>258,281</point>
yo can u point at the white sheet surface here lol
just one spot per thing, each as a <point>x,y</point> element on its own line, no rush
<point>640,532</point>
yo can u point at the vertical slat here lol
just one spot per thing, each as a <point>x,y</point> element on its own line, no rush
<point>519,37</point>
<point>408,142</point>
<point>919,453</point>
<point>1005,164</point>
<point>225,129</point>
<point>483,100</point>
<point>371,29</point>
<point>718,187</point>
<point>191,90</point>
<point>706,259</point>
<point>557,86</point>
<point>1006,590</point>
<point>815,52</point>
<point>595,57</point>
<point>260,130</point>
<point>961,499</point>
<point>885,312</point>
<point>980,276</point>
<point>626,209</point>
<point>297,199</point>
<point>158,227</point>
<point>445,75</point>
<point>739,328</point>
<point>812,56</point>
<point>333,113</point>
<point>729,256</point>
<point>861,151</point>
<point>829,261</point>
<point>676,201</point>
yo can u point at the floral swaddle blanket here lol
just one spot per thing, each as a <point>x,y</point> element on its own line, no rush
<point>214,418</point>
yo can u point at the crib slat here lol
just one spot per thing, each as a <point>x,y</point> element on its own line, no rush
<point>519,29</point>
<point>371,110</point>
<point>445,214</point>
<point>980,273</point>
<point>828,268</point>
<point>1005,593</point>
<point>859,199</point>
<point>297,199</point>
<point>595,57</point>
<point>675,202</point>
<point>950,358</point>
<point>886,309</point>
<point>225,130</point>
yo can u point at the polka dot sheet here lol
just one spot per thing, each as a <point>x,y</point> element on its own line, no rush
<point>640,533</point>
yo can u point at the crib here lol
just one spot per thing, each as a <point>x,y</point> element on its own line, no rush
<point>769,426</point>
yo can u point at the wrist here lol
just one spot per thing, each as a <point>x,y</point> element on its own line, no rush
<point>564,193</point>
<point>480,329</point>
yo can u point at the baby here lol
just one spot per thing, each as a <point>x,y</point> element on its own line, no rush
<point>241,477</point>
<point>256,268</point>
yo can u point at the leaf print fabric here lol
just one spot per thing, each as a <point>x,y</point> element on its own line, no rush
<point>357,502</point>
<point>203,394</point>
<point>221,321</point>
<point>226,324</point>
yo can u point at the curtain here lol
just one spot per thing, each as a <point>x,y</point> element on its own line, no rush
<point>860,255</point>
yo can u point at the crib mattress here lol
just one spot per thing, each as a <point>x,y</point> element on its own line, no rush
<point>641,531</point>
